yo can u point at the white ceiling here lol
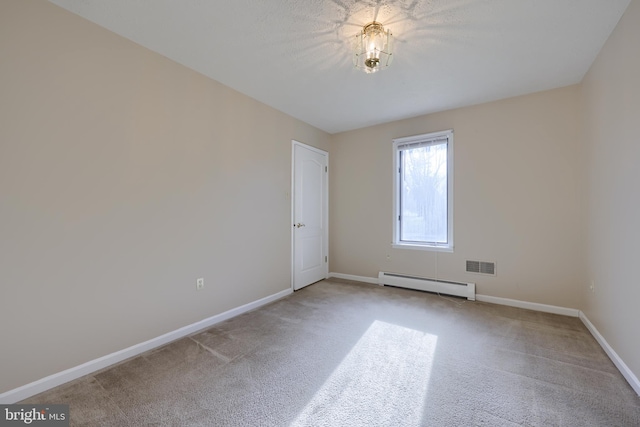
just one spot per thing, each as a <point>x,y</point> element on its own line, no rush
<point>295,56</point>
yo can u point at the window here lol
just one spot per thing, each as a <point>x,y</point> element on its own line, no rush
<point>423,192</point>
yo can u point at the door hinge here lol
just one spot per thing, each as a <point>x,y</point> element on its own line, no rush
<point>326,169</point>
<point>325,259</point>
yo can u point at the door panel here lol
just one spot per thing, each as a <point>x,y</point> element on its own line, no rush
<point>312,253</point>
<point>310,215</point>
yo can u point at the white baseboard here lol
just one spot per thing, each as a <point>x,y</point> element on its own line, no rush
<point>529,305</point>
<point>617,361</point>
<point>39,386</point>
<point>484,298</point>
<point>622,367</point>
<point>572,312</point>
<point>372,280</point>
<point>44,384</point>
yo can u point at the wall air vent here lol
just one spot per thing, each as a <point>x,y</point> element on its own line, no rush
<point>481,267</point>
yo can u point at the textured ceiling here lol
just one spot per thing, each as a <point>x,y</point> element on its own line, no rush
<point>295,56</point>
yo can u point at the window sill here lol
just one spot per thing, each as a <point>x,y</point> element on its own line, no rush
<point>418,247</point>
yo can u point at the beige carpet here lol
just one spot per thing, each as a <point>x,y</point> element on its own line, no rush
<point>348,354</point>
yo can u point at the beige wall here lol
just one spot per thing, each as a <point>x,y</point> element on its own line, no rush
<point>612,135</point>
<point>124,177</point>
<point>516,196</point>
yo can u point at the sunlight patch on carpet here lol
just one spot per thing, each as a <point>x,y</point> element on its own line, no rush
<point>383,380</point>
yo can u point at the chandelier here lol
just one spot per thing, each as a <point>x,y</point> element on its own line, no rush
<point>372,48</point>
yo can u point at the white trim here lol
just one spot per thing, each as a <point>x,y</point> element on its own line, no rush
<point>372,280</point>
<point>310,147</point>
<point>483,298</point>
<point>419,247</point>
<point>46,383</point>
<point>293,211</point>
<point>622,367</point>
<point>529,305</point>
<point>617,361</point>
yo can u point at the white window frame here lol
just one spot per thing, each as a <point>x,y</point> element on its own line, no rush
<point>397,144</point>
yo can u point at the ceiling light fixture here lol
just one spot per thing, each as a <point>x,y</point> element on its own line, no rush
<point>372,48</point>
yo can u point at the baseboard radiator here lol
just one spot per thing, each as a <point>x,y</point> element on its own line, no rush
<point>465,290</point>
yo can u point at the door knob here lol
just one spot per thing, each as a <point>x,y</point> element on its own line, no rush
<point>298,225</point>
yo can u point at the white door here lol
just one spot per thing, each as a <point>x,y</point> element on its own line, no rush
<point>310,215</point>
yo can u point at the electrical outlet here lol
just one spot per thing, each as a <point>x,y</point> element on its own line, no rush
<point>388,258</point>
<point>200,283</point>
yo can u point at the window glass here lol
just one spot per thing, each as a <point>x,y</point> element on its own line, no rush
<point>423,189</point>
